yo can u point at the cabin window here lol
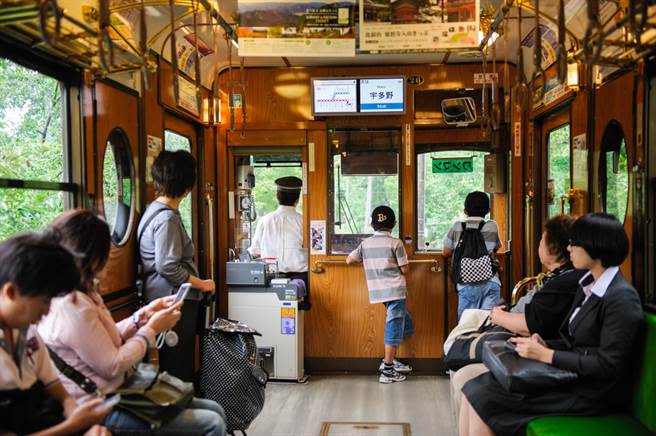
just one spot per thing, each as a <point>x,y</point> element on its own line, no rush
<point>34,170</point>
<point>444,178</point>
<point>614,171</point>
<point>266,169</point>
<point>558,178</point>
<point>117,186</point>
<point>174,141</point>
<point>365,174</point>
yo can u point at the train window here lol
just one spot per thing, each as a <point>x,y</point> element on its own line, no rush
<point>613,171</point>
<point>558,167</point>
<point>117,184</point>
<point>175,141</point>
<point>266,169</point>
<point>444,178</point>
<point>365,174</point>
<point>34,176</point>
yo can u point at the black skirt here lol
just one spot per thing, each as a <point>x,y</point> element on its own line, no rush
<point>508,413</point>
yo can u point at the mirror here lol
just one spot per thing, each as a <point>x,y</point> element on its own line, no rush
<point>614,171</point>
<point>460,111</point>
<point>117,186</point>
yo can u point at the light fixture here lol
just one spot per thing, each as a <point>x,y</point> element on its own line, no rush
<point>235,43</point>
<point>573,76</point>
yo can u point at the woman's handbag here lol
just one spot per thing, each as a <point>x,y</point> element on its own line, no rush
<point>230,374</point>
<point>467,348</point>
<point>153,396</point>
<point>518,374</point>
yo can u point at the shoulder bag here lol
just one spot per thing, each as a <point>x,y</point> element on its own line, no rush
<point>518,374</point>
<point>153,396</point>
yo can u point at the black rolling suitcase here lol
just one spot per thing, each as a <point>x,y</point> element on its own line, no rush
<point>230,374</point>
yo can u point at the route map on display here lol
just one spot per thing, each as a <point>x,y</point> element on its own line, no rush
<point>335,96</point>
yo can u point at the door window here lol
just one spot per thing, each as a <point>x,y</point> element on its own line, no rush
<point>614,171</point>
<point>174,141</point>
<point>558,167</point>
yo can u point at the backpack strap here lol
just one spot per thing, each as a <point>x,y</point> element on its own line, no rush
<point>481,224</point>
<point>85,383</point>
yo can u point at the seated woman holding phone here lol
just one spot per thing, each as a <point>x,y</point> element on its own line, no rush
<point>597,342</point>
<point>82,332</point>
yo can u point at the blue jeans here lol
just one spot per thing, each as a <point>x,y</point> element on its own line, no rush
<point>484,295</point>
<point>398,324</point>
<point>201,417</point>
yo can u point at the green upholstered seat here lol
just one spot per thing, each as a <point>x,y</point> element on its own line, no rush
<point>642,420</point>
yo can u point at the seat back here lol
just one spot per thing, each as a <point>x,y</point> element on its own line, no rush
<point>644,400</point>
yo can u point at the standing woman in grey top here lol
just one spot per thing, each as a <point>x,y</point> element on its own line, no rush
<point>167,254</point>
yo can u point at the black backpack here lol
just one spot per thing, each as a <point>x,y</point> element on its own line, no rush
<point>471,261</point>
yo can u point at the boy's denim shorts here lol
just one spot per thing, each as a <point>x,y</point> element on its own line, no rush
<point>398,324</point>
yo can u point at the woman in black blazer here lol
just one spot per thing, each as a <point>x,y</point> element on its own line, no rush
<point>597,340</point>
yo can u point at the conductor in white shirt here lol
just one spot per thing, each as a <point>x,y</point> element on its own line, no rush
<point>279,234</point>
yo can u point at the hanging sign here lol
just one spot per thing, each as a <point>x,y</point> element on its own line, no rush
<point>453,165</point>
<point>404,26</point>
<point>296,28</point>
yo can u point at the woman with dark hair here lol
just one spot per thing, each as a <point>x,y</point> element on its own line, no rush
<point>82,332</point>
<point>597,341</point>
<point>545,307</point>
<point>167,255</point>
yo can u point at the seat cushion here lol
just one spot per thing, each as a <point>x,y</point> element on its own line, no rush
<point>613,425</point>
<point>645,392</point>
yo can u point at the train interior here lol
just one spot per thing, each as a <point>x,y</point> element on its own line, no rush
<point>550,109</point>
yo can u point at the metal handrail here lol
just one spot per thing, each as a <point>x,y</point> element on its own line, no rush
<point>318,269</point>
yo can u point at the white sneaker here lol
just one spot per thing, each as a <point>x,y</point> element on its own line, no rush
<point>398,366</point>
<point>392,376</point>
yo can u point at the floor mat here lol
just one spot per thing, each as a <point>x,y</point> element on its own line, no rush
<point>365,428</point>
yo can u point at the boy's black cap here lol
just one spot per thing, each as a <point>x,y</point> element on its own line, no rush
<point>382,217</point>
<point>477,203</point>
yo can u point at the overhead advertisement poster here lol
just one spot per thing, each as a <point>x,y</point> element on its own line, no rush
<point>291,28</point>
<point>403,26</point>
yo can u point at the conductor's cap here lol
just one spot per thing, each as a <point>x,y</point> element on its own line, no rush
<point>289,184</point>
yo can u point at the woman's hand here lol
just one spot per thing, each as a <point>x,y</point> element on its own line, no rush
<point>157,305</point>
<point>98,430</point>
<point>207,286</point>
<point>533,348</point>
<point>496,314</point>
<point>86,416</point>
<point>165,319</point>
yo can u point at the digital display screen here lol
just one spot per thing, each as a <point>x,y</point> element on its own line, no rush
<point>382,95</point>
<point>334,96</point>
<point>358,96</point>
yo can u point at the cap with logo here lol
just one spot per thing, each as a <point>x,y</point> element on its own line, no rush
<point>382,217</point>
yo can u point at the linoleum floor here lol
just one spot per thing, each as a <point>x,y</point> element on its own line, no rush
<point>300,409</point>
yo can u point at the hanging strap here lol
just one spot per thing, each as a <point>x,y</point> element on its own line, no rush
<point>84,382</point>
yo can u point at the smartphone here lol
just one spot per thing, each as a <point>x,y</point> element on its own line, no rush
<point>109,402</point>
<point>182,293</point>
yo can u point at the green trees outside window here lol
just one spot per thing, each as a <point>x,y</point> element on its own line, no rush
<point>31,148</point>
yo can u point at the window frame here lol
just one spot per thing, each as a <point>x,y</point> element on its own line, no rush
<point>68,78</point>
<point>429,148</point>
<point>330,224</point>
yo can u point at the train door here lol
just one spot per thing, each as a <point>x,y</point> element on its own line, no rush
<point>181,135</point>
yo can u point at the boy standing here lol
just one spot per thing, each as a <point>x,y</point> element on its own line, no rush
<point>385,266</point>
<point>33,270</point>
<point>484,294</point>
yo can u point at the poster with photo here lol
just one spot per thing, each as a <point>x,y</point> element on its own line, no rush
<point>291,28</point>
<point>403,26</point>
<point>318,237</point>
<point>153,148</point>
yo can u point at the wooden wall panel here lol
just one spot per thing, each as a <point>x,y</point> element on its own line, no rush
<point>153,117</point>
<point>120,271</point>
<point>614,101</point>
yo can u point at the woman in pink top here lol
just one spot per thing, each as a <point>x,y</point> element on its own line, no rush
<point>80,329</point>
